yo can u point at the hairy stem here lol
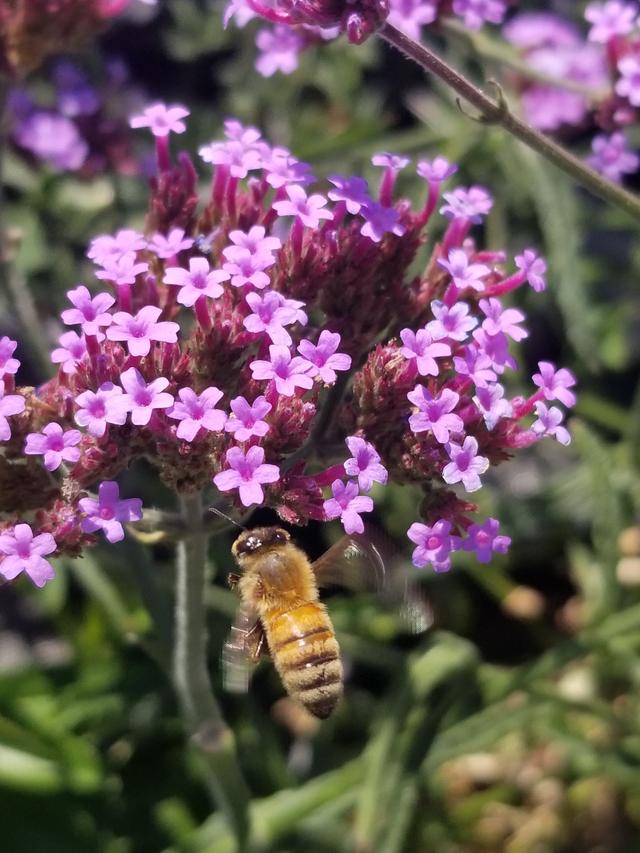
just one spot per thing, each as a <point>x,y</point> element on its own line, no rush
<point>208,730</point>
<point>497,112</point>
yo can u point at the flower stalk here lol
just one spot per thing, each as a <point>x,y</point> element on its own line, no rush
<point>497,112</point>
<point>205,724</point>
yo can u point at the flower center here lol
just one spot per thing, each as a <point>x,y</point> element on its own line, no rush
<point>23,550</point>
<point>142,397</point>
<point>55,442</point>
<point>433,543</point>
<point>97,408</point>
<point>106,512</point>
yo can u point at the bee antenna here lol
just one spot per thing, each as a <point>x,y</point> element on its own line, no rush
<point>228,517</point>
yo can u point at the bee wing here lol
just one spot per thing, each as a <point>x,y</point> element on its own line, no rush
<point>241,650</point>
<point>367,563</point>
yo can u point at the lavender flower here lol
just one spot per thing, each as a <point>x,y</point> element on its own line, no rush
<point>323,357</point>
<point>435,413</point>
<point>142,399</point>
<point>347,505</point>
<point>286,372</point>
<point>161,120</point>
<point>197,412</point>
<point>10,404</point>
<point>364,464</point>
<point>466,464</point>
<point>24,552</point>
<point>246,420</point>
<point>54,444</point>
<point>247,472</point>
<point>199,280</point>
<point>108,512</point>
<point>434,545</point>
<point>141,329</point>
<point>484,540</point>
<point>549,422</point>
<point>98,408</point>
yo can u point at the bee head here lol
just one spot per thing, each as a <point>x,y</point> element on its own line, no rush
<point>258,540</point>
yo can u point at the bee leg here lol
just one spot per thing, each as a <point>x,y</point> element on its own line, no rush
<point>256,641</point>
<point>233,580</point>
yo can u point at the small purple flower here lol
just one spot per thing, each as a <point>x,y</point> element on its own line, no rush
<point>10,404</point>
<point>98,408</point>
<point>121,269</point>
<point>365,463</point>
<point>246,420</point>
<point>347,504</point>
<point>141,399</point>
<point>241,157</point>
<point>270,313</point>
<point>534,267</point>
<point>246,267</point>
<point>282,168</point>
<point>247,472</point>
<point>466,465</point>
<point>54,139</point>
<point>353,191</point>
<point>379,220</point>
<point>255,240</point>
<point>279,48</point>
<point>141,329</point>
<point>549,423</point>
<point>410,16</point>
<point>323,356</point>
<point>612,156</point>
<point>476,365</point>
<point>628,86</point>
<point>196,412</point>
<point>491,404</point>
<point>610,19</point>
<point>435,413</point>
<point>434,543</point>
<point>485,541</point>
<point>8,365</point>
<point>288,373</point>
<point>161,119</point>
<point>473,204</point>
<point>106,247</point>
<point>24,552</point>
<point>464,274</point>
<point>496,348</point>
<point>72,350</point>
<point>502,320</point>
<point>395,162</point>
<point>421,346</point>
<point>171,245</point>
<point>89,312</point>
<point>555,384</point>
<point>310,210</point>
<point>476,12</point>
<point>453,322</point>
<point>436,171</point>
<point>55,444</point>
<point>199,280</point>
<point>108,512</point>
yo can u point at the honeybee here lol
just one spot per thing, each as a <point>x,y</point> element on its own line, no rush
<point>281,613</point>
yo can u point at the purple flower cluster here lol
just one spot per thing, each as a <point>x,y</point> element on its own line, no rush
<point>238,346</point>
<point>604,62</point>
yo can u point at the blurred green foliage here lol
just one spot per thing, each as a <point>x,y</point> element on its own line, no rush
<point>515,725</point>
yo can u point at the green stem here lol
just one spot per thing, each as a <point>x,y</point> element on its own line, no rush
<point>209,732</point>
<point>497,112</point>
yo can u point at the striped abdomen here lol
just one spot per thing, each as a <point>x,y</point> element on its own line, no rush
<point>306,654</point>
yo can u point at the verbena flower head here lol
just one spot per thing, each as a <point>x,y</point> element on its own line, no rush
<point>279,346</point>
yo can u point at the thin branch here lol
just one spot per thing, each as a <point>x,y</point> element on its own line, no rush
<point>497,112</point>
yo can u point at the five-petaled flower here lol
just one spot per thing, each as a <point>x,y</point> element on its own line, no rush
<point>364,463</point>
<point>197,411</point>
<point>347,504</point>
<point>555,384</point>
<point>466,464</point>
<point>421,347</point>
<point>484,540</point>
<point>323,357</point>
<point>24,552</point>
<point>55,444</point>
<point>161,120</point>
<point>141,329</point>
<point>141,398</point>
<point>287,372</point>
<point>90,312</point>
<point>309,209</point>
<point>199,280</point>
<point>98,408</point>
<point>434,545</point>
<point>435,413</point>
<point>247,472</point>
<point>246,420</point>
<point>549,422</point>
<point>108,512</point>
